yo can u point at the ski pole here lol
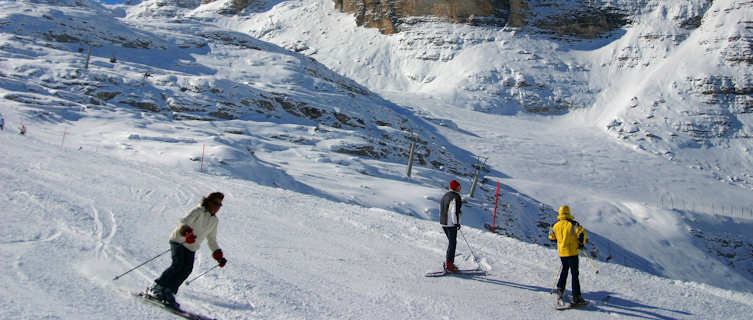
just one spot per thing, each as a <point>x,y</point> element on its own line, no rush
<point>556,279</point>
<point>475,259</point>
<point>143,263</point>
<point>201,275</point>
<point>557,276</point>
<point>139,266</point>
<point>590,261</point>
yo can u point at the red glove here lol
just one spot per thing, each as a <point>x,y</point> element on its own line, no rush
<point>187,232</point>
<point>186,229</point>
<point>217,255</point>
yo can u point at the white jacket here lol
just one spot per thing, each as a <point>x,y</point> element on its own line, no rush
<point>204,226</point>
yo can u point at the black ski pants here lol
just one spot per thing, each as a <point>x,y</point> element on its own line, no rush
<point>452,237</point>
<point>571,264</point>
<point>179,270</point>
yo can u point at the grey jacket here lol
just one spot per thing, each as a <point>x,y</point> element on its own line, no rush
<point>449,209</point>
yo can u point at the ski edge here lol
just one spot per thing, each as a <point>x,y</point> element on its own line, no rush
<point>178,312</point>
<point>459,272</point>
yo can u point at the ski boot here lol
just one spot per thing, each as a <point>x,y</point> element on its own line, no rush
<point>578,301</point>
<point>450,267</point>
<point>164,295</point>
<point>560,295</point>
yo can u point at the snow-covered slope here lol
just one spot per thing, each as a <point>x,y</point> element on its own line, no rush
<point>188,70</point>
<point>621,151</point>
<point>186,97</point>
<point>197,96</point>
<point>76,218</point>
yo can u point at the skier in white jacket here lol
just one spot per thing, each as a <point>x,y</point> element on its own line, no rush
<point>199,224</point>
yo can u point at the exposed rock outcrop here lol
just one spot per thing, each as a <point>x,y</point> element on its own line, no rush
<point>561,17</point>
<point>387,15</point>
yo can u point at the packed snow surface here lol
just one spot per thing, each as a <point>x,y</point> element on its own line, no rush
<point>77,218</point>
<point>95,186</point>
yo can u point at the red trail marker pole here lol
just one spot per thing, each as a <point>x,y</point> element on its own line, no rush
<point>496,202</point>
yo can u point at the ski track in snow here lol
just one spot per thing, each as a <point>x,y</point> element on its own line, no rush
<point>350,248</point>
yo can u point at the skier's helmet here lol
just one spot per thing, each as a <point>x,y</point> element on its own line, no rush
<point>454,185</point>
<point>564,210</point>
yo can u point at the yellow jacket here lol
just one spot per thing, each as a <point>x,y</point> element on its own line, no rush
<point>569,234</point>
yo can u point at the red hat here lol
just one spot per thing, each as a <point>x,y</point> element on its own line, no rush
<point>454,184</point>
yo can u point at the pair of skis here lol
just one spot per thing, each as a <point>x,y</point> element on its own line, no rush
<point>474,272</point>
<point>176,311</point>
<point>444,272</point>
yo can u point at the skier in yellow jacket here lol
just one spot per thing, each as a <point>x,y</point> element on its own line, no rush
<point>570,237</point>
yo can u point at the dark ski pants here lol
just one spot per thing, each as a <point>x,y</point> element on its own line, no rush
<point>452,236</point>
<point>179,270</point>
<point>569,263</point>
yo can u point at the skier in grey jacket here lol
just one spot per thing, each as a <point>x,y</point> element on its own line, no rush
<point>199,224</point>
<point>449,218</point>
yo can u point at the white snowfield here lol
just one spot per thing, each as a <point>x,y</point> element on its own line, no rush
<point>74,219</point>
<point>94,189</point>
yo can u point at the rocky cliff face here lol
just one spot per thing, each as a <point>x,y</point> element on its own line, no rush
<point>706,100</point>
<point>562,17</point>
<point>387,15</point>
